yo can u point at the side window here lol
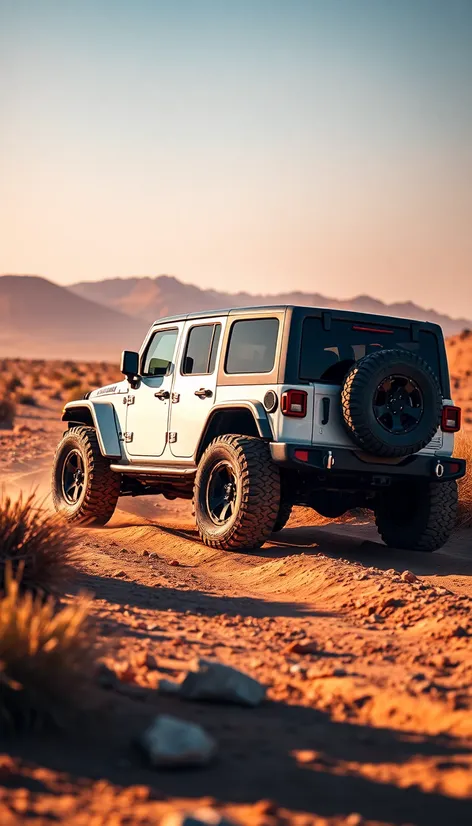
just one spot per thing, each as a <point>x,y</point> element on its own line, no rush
<point>160,353</point>
<point>201,350</point>
<point>252,345</point>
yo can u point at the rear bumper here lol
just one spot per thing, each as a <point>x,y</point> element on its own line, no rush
<point>341,462</point>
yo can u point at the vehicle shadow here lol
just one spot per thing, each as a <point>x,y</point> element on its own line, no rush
<point>346,542</point>
<point>347,767</point>
<point>357,543</point>
<point>134,594</point>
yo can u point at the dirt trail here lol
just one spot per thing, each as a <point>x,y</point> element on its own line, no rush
<point>371,725</point>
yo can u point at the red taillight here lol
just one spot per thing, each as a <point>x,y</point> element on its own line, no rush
<point>451,419</point>
<point>302,455</point>
<point>294,403</point>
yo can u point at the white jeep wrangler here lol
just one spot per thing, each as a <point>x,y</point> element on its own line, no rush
<point>251,411</point>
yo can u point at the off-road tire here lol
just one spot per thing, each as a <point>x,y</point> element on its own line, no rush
<point>357,403</point>
<point>284,514</point>
<point>101,485</point>
<point>257,497</point>
<point>419,517</point>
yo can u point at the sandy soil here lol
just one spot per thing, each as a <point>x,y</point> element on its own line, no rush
<point>368,718</point>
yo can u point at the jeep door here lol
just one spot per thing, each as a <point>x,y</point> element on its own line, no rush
<point>194,384</point>
<point>148,413</point>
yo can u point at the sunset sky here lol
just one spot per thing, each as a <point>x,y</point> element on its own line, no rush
<point>261,145</point>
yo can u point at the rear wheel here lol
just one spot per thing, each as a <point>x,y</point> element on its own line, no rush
<point>418,517</point>
<point>237,493</point>
<point>84,489</point>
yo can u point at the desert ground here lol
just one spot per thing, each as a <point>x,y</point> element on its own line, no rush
<point>366,654</point>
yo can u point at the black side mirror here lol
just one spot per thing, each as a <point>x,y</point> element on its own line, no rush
<point>130,364</point>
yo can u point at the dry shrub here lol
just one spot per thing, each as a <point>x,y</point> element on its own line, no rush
<point>463,450</point>
<point>38,543</point>
<point>7,412</point>
<point>70,382</point>
<point>27,398</point>
<point>77,393</point>
<point>13,384</point>
<point>46,657</point>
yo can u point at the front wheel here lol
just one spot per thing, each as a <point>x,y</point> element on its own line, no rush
<point>84,489</point>
<point>419,517</point>
<point>237,493</point>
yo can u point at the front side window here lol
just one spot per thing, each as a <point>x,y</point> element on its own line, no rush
<point>252,346</point>
<point>201,350</point>
<point>160,353</point>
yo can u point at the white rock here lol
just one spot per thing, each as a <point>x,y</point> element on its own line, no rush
<point>199,817</point>
<point>172,742</point>
<point>215,681</point>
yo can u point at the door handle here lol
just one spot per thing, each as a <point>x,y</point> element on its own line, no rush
<point>203,393</point>
<point>162,395</point>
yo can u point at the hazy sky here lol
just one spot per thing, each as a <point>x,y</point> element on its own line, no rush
<point>241,144</point>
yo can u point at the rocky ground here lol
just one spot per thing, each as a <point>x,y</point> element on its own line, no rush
<point>366,655</point>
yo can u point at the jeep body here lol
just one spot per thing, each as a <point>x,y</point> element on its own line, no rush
<point>311,386</point>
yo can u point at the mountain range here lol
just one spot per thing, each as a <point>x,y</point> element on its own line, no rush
<point>39,319</point>
<point>97,319</point>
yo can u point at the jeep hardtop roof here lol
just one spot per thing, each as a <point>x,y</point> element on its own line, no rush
<point>301,310</point>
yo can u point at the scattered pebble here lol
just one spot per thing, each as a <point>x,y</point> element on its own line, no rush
<point>199,817</point>
<point>302,648</point>
<point>408,576</point>
<point>169,741</point>
<point>218,682</point>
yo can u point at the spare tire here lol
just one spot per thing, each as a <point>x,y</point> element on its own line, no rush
<point>391,403</point>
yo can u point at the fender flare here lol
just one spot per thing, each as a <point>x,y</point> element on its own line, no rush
<point>256,409</point>
<point>103,419</point>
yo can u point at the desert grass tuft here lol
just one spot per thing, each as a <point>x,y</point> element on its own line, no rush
<point>38,542</point>
<point>46,658</point>
<point>463,449</point>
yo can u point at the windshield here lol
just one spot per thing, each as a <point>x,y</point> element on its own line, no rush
<point>327,355</point>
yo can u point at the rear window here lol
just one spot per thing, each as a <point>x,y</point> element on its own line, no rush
<point>327,355</point>
<point>252,346</point>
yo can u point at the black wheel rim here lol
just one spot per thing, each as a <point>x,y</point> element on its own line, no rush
<point>221,493</point>
<point>398,404</point>
<point>73,477</point>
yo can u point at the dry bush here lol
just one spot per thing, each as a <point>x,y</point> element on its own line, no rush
<point>70,382</point>
<point>13,384</point>
<point>45,658</point>
<point>7,412</point>
<point>463,450</point>
<point>39,543</point>
<point>27,398</point>
<point>76,393</point>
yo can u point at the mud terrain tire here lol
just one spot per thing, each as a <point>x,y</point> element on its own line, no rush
<point>417,517</point>
<point>97,495</point>
<point>403,428</point>
<point>237,493</point>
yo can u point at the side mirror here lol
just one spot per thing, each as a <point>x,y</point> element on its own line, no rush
<point>130,364</point>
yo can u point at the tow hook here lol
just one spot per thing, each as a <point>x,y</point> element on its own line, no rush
<point>439,469</point>
<point>329,460</point>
